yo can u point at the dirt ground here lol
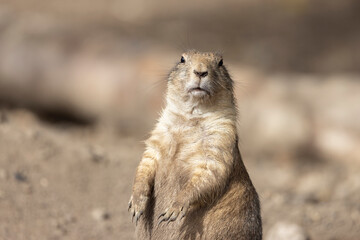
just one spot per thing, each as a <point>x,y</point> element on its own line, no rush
<point>66,181</point>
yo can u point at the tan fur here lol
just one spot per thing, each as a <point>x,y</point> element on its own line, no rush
<point>191,182</point>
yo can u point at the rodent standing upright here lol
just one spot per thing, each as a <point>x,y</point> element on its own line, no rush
<point>191,182</point>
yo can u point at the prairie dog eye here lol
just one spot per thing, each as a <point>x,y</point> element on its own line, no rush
<point>220,63</point>
<point>182,60</point>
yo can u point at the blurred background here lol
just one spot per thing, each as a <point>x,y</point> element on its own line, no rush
<point>82,83</point>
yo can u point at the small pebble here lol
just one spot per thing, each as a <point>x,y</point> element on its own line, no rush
<point>21,177</point>
<point>44,182</point>
<point>100,214</point>
<point>97,153</point>
<point>286,231</point>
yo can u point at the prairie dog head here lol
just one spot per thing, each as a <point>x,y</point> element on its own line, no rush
<point>199,78</point>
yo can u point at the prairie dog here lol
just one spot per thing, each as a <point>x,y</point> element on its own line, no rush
<point>191,182</point>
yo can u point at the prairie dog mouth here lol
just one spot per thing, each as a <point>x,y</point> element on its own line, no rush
<point>198,91</point>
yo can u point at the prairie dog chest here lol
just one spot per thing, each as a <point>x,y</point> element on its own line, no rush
<point>189,138</point>
<point>187,132</point>
<point>184,129</point>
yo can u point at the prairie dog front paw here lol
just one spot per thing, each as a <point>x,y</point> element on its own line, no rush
<point>175,211</point>
<point>137,205</point>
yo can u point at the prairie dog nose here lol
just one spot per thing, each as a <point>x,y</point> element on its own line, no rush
<point>200,74</point>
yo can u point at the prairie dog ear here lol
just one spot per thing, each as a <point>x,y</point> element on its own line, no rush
<point>219,59</point>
